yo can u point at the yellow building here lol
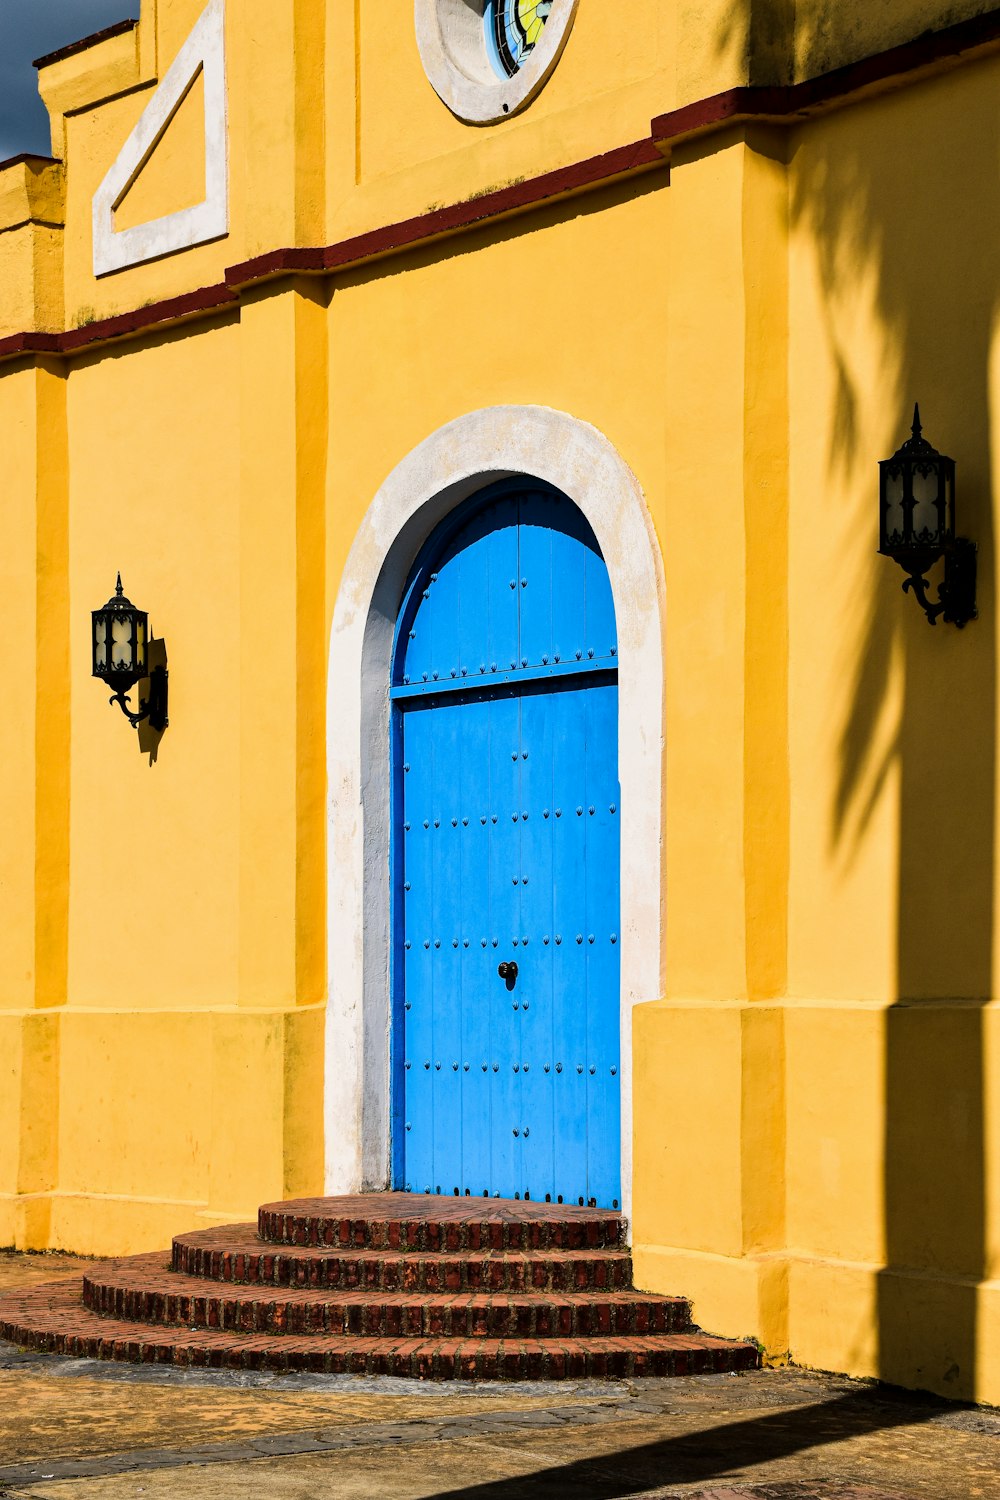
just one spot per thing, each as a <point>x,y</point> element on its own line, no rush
<point>299,281</point>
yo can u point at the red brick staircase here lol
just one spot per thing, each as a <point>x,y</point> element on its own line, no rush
<point>383,1284</point>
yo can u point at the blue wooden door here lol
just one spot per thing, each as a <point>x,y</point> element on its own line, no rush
<point>506,852</point>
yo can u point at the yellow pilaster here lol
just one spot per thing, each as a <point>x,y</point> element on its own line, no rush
<point>765,731</point>
<point>18,673</point>
<point>52,704</point>
<point>713,1052</point>
<point>34,875</point>
<point>268,667</point>
<point>282,649</point>
<point>765,509</point>
<point>311,440</point>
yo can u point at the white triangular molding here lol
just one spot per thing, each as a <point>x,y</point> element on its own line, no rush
<point>115,249</point>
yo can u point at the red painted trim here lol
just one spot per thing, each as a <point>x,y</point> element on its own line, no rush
<point>732,107</point>
<point>118,29</point>
<point>25,158</point>
<point>275,263</point>
<point>595,171</point>
<point>786,104</point>
<point>172,310</point>
<point>31,343</point>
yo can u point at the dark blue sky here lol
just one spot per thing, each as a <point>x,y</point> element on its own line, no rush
<point>30,29</point>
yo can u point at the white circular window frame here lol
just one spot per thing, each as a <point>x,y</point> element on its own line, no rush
<point>452,41</point>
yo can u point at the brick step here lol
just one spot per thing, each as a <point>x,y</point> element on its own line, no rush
<point>143,1289</point>
<point>238,1255</point>
<point>52,1318</point>
<point>429,1223</point>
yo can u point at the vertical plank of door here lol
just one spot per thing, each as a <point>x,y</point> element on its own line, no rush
<point>569,996</point>
<point>534,985</point>
<point>601,945</point>
<point>536,582</point>
<point>568,597</point>
<point>472,567</point>
<point>501,602</point>
<point>441,603</point>
<point>600,631</point>
<point>417,874</point>
<point>446,964</point>
<point>505,920</point>
<point>478,983</point>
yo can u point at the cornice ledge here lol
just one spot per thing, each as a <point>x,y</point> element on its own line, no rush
<point>169,312</point>
<point>789,104</point>
<point>934,52</point>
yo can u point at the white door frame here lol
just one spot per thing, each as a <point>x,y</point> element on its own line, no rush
<point>453,463</point>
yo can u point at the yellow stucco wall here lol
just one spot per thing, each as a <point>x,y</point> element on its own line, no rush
<point>815,1121</point>
<point>868,1124</point>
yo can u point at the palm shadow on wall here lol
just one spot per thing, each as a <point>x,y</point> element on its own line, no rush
<point>900,202</point>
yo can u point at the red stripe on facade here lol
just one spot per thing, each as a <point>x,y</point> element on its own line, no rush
<point>31,343</point>
<point>25,158</point>
<point>71,48</point>
<point>171,310</point>
<point>788,103</point>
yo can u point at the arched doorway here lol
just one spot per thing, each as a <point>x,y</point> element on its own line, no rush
<point>451,464</point>
<point>506,851</point>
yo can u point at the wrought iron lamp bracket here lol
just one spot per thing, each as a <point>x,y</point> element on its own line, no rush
<point>956,601</point>
<point>153,708</point>
<point>122,701</point>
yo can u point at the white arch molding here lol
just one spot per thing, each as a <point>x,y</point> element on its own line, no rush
<point>453,463</point>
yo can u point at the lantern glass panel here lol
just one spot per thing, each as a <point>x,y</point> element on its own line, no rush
<point>140,643</point>
<point>894,507</point>
<point>100,642</point>
<point>121,643</point>
<point>926,516</point>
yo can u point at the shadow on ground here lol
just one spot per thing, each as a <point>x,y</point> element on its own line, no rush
<point>722,1451</point>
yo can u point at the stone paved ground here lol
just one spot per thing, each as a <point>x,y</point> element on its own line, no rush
<point>76,1430</point>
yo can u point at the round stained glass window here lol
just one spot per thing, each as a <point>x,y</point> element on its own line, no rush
<point>487,59</point>
<point>512,29</point>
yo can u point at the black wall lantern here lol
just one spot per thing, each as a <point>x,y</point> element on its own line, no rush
<point>917,527</point>
<point>120,642</point>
